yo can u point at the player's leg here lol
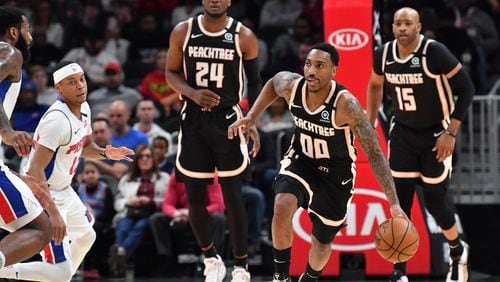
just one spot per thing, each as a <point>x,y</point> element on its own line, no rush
<point>21,215</point>
<point>435,181</point>
<point>289,196</point>
<point>55,267</point>
<point>79,223</point>
<point>237,221</point>
<point>319,254</point>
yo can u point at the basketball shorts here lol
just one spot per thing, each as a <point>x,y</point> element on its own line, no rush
<point>18,205</point>
<point>203,146</point>
<point>78,219</point>
<point>411,155</point>
<point>324,194</point>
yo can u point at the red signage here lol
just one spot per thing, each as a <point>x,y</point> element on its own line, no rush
<point>348,26</point>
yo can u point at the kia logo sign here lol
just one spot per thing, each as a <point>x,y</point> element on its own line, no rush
<point>364,215</point>
<point>348,39</point>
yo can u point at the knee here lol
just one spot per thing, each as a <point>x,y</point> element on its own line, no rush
<point>60,272</point>
<point>320,247</point>
<point>88,238</point>
<point>285,205</point>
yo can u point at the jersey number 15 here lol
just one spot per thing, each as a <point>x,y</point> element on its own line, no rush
<point>406,99</point>
<point>213,72</point>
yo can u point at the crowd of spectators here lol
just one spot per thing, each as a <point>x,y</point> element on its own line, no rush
<point>121,44</point>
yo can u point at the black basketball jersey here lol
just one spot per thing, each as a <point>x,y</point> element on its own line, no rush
<point>316,137</point>
<point>214,60</point>
<point>420,98</point>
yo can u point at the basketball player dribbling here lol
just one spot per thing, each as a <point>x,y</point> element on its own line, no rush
<point>422,76</point>
<point>20,212</point>
<point>62,136</point>
<point>318,171</point>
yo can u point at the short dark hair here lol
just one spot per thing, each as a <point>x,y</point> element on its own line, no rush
<point>330,49</point>
<point>105,120</point>
<point>160,138</point>
<point>10,17</point>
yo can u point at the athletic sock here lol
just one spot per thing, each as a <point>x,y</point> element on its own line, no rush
<point>282,263</point>
<point>241,262</point>
<point>310,275</point>
<point>210,251</point>
<point>456,247</point>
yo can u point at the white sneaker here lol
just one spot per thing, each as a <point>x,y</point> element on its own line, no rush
<point>240,274</point>
<point>458,267</point>
<point>276,278</point>
<point>215,270</point>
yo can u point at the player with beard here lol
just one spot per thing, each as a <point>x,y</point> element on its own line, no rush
<point>318,171</point>
<point>208,57</point>
<point>20,212</point>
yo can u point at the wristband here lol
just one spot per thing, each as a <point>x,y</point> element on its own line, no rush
<point>449,133</point>
<point>103,154</point>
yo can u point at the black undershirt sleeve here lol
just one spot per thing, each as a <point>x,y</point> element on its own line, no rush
<point>253,77</point>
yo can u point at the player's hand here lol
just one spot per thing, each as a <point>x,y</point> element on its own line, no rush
<point>58,226</point>
<point>19,140</point>
<point>397,211</point>
<point>253,134</point>
<point>117,154</point>
<point>39,189</point>
<point>445,144</point>
<point>205,98</point>
<point>243,124</point>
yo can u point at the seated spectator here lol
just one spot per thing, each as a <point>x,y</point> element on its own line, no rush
<point>140,194</point>
<point>279,13</point>
<point>45,18</point>
<point>276,117</point>
<point>154,86</point>
<point>42,52</point>
<point>160,146</point>
<point>110,170</point>
<point>46,94</point>
<point>116,45</point>
<point>181,13</point>
<point>113,90</point>
<point>171,226</point>
<point>96,195</point>
<point>27,112</point>
<point>122,133</point>
<point>92,57</point>
<point>255,206</point>
<point>145,114</point>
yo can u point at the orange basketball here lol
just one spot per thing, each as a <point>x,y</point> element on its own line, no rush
<point>396,239</point>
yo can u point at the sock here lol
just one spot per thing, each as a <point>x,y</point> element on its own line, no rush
<point>210,251</point>
<point>310,275</point>
<point>2,260</point>
<point>401,267</point>
<point>456,247</point>
<point>241,262</point>
<point>281,263</point>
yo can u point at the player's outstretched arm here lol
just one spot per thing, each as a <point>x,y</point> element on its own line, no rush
<point>93,151</point>
<point>280,85</point>
<point>349,112</point>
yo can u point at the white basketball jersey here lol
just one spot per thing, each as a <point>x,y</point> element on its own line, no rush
<point>65,134</point>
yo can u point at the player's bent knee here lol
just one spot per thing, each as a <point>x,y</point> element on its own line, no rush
<point>43,229</point>
<point>285,205</point>
<point>324,234</point>
<point>89,238</point>
<point>320,246</point>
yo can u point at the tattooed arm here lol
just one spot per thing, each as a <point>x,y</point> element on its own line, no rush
<point>280,85</point>
<point>350,112</point>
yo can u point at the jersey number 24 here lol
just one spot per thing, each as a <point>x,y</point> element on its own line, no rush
<point>209,71</point>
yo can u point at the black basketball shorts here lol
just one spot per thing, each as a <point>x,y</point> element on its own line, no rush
<point>324,194</point>
<point>204,149</point>
<point>411,155</point>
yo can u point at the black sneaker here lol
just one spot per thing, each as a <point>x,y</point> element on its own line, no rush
<point>398,276</point>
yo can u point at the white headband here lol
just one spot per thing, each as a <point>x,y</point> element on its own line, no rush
<point>66,71</point>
